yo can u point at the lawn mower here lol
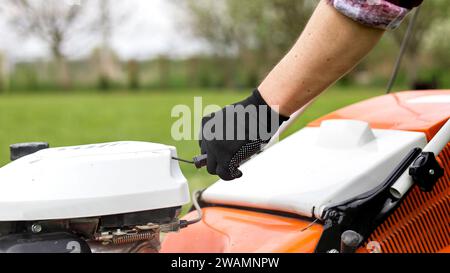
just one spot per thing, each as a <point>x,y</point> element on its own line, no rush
<point>371,177</point>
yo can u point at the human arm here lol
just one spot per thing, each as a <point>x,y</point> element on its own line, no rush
<point>332,43</point>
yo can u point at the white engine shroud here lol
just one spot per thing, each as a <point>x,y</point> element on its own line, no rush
<point>317,167</point>
<point>91,180</point>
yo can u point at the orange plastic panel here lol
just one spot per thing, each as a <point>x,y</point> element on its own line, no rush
<point>395,112</point>
<point>445,250</point>
<point>422,222</point>
<point>227,230</point>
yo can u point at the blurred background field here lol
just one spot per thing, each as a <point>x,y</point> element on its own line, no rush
<point>64,46</point>
<point>87,71</point>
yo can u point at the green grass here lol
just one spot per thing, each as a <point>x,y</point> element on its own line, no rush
<point>73,119</point>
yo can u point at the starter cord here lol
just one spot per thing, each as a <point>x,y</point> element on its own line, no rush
<point>195,197</point>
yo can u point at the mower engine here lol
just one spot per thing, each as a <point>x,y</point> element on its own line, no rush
<point>112,197</point>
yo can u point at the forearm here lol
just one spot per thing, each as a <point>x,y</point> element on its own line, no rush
<point>330,45</point>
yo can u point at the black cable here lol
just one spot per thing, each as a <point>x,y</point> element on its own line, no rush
<point>403,48</point>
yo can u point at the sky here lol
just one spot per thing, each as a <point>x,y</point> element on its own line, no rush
<point>152,28</point>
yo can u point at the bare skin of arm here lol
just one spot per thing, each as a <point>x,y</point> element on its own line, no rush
<point>329,47</point>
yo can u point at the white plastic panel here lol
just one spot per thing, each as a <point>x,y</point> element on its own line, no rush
<point>316,167</point>
<point>91,180</point>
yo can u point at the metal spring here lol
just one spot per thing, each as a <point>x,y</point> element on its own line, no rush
<point>131,238</point>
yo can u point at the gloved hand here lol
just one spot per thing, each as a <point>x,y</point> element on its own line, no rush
<point>236,133</point>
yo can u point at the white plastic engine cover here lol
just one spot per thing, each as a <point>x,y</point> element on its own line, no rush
<point>316,167</point>
<point>91,180</point>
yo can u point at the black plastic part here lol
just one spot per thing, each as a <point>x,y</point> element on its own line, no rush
<point>59,242</point>
<point>426,171</point>
<point>23,149</point>
<point>158,216</point>
<point>362,213</point>
<point>200,161</point>
<point>350,241</point>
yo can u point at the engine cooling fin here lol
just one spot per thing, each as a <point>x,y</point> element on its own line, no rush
<point>421,224</point>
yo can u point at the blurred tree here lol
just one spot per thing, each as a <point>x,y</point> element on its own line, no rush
<point>53,22</point>
<point>105,24</point>
<point>431,14</point>
<point>164,71</point>
<point>192,68</point>
<point>437,48</point>
<point>3,74</point>
<point>257,32</point>
<point>106,67</point>
<point>133,75</point>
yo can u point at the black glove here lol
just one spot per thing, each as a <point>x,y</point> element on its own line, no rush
<point>236,133</point>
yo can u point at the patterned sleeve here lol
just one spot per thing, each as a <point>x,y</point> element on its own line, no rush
<point>384,14</point>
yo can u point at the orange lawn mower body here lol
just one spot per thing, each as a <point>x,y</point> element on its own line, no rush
<point>286,208</point>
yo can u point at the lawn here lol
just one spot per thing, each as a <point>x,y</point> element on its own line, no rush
<point>72,119</point>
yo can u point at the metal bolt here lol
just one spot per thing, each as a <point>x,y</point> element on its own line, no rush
<point>36,228</point>
<point>431,172</point>
<point>374,247</point>
<point>119,232</point>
